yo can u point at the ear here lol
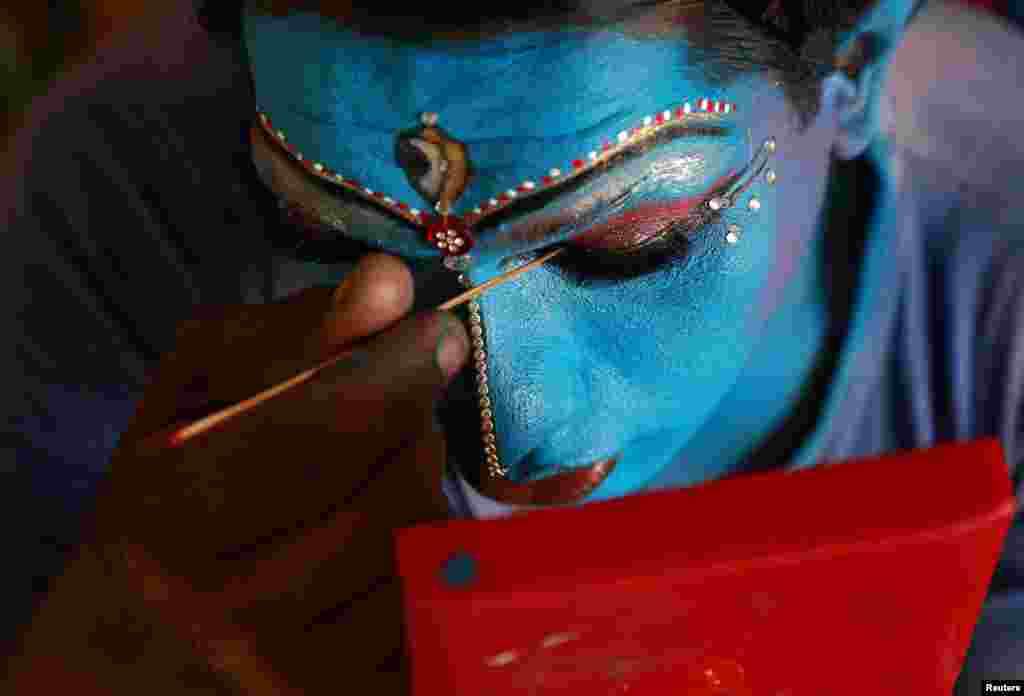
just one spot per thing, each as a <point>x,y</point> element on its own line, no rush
<point>854,90</point>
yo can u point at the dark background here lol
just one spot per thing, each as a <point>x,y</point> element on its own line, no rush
<point>39,40</point>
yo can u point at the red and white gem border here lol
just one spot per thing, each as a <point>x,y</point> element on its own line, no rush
<point>700,108</point>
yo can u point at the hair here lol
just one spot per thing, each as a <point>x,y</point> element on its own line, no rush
<point>728,45</point>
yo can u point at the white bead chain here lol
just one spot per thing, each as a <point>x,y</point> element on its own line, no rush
<point>483,390</point>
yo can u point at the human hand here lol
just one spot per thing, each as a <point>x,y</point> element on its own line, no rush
<point>265,544</point>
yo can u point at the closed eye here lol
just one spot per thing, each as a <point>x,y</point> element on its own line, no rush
<point>639,242</point>
<point>649,238</point>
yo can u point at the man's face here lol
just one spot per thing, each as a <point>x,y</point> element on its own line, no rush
<point>626,345</point>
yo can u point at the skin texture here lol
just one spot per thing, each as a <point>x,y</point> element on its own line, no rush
<point>583,371</point>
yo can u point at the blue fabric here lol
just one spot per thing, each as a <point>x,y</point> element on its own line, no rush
<point>109,260</point>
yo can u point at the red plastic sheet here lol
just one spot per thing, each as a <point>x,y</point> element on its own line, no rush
<point>860,578</point>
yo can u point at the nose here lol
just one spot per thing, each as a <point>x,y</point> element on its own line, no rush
<point>561,489</point>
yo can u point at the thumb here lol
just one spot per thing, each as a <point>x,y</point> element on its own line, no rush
<point>407,363</point>
<point>373,297</point>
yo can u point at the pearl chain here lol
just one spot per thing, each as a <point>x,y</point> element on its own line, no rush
<point>483,390</point>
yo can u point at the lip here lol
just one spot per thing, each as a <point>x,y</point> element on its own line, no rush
<point>562,488</point>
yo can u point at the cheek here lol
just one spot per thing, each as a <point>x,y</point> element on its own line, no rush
<point>616,363</point>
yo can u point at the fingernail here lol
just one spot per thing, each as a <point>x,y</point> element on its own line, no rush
<point>452,346</point>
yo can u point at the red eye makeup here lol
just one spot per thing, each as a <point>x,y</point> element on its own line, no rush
<point>649,237</point>
<point>644,225</point>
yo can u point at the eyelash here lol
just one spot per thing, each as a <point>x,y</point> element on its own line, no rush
<point>591,267</point>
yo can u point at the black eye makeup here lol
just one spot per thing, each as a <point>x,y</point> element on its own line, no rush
<point>639,151</point>
<point>307,223</point>
<point>668,243</point>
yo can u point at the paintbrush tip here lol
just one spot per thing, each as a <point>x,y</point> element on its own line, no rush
<point>497,280</point>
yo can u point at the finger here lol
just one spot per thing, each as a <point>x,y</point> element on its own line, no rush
<point>254,482</point>
<point>375,401</point>
<point>268,343</point>
<point>355,550</point>
<point>372,298</point>
<point>354,642</point>
<point>349,612</point>
<point>225,353</point>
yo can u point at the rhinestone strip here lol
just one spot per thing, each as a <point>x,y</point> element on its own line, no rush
<point>698,109</point>
<point>483,390</point>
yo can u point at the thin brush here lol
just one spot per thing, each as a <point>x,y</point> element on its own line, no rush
<point>183,434</point>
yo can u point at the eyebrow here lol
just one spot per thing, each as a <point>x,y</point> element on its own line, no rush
<point>528,204</point>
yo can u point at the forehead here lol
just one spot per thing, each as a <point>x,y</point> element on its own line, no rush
<point>317,59</point>
<point>328,59</point>
<point>526,104</point>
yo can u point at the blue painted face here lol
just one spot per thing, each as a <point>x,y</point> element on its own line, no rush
<point>604,354</point>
